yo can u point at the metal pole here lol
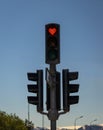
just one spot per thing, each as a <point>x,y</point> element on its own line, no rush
<point>28,118</point>
<point>93,121</point>
<point>53,96</point>
<point>76,120</point>
<point>75,124</point>
<point>53,125</point>
<point>43,121</point>
<point>28,113</point>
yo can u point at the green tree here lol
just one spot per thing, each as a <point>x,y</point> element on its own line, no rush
<point>11,122</point>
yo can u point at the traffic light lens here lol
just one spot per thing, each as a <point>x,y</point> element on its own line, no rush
<point>52,51</point>
<point>52,54</point>
<point>52,31</point>
<point>52,42</point>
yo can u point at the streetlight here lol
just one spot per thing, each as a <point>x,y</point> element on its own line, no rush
<point>76,120</point>
<point>93,121</point>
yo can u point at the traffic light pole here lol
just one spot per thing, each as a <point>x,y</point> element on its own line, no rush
<point>53,113</point>
<point>53,125</point>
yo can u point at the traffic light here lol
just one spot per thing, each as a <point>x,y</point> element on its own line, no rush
<point>69,88</point>
<point>52,43</point>
<point>58,101</point>
<point>36,88</point>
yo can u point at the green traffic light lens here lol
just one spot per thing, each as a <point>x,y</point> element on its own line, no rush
<point>52,54</point>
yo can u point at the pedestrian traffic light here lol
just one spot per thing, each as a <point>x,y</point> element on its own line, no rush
<point>52,43</point>
<point>69,88</point>
<point>58,101</point>
<point>36,88</point>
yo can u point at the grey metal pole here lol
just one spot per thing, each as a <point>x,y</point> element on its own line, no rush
<point>53,96</point>
<point>43,121</point>
<point>93,121</point>
<point>53,125</point>
<point>76,120</point>
<point>28,113</point>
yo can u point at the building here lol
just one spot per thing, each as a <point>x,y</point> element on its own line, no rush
<point>91,127</point>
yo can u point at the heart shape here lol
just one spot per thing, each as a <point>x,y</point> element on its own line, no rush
<point>52,31</point>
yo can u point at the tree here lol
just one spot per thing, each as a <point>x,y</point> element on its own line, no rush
<point>11,122</point>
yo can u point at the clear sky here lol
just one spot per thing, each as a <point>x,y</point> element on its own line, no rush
<point>22,50</point>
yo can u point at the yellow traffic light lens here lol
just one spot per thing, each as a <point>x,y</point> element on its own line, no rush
<point>52,42</point>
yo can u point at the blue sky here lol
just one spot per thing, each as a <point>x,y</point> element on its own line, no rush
<point>22,50</point>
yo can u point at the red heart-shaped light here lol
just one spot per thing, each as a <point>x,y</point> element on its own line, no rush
<point>52,31</point>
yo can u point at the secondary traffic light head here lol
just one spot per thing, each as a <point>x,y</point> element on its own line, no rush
<point>36,88</point>
<point>52,43</point>
<point>69,88</point>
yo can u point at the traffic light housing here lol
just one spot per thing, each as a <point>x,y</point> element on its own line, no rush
<point>36,88</point>
<point>52,43</point>
<point>58,90</point>
<point>69,88</point>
